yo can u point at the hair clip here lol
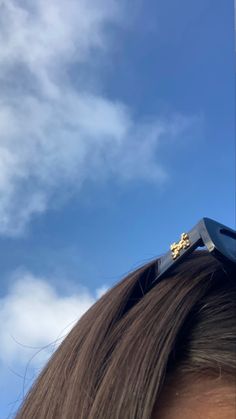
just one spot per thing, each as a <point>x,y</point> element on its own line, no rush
<point>218,239</point>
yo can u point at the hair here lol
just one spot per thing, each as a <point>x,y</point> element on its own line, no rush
<point>115,361</point>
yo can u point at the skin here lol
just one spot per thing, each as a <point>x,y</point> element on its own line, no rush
<point>205,398</point>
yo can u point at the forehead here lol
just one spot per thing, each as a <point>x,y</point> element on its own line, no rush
<point>196,399</point>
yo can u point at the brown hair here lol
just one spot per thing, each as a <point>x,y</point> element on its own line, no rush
<point>114,362</point>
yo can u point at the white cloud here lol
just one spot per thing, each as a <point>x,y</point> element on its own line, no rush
<point>53,136</point>
<point>45,36</point>
<point>33,315</point>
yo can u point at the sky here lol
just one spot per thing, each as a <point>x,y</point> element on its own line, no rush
<point>116,135</point>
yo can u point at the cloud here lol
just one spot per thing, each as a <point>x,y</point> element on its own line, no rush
<point>43,36</point>
<point>33,315</point>
<point>54,133</point>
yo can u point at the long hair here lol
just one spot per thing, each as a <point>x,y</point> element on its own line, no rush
<point>116,359</point>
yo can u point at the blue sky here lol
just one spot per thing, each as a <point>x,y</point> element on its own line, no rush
<point>117,134</point>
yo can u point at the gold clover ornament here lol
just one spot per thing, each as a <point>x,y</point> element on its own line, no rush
<point>182,244</point>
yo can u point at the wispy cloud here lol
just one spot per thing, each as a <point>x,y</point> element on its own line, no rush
<point>54,135</point>
<point>34,315</point>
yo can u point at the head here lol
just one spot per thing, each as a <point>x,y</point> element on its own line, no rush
<point>170,355</point>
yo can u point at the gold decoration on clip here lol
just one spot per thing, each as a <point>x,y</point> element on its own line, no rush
<point>182,244</point>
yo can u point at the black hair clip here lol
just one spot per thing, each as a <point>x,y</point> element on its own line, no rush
<point>218,239</point>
